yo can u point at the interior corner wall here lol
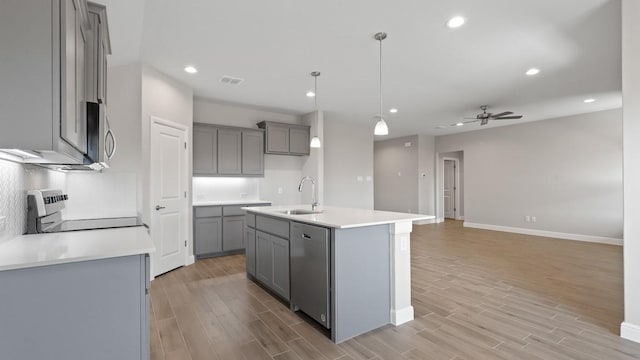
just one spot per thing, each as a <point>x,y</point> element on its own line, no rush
<point>630,328</point>
<point>313,165</point>
<point>165,98</point>
<point>348,161</point>
<point>281,172</point>
<point>567,172</point>
<point>396,174</point>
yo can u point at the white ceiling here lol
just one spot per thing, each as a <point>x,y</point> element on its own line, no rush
<point>432,74</point>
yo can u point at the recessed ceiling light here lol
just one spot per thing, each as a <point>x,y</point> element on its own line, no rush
<point>311,94</point>
<point>532,71</point>
<point>459,124</point>
<point>589,100</point>
<point>456,22</point>
<point>190,69</point>
<point>393,111</point>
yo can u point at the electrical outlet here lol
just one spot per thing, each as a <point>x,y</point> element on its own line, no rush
<point>533,219</point>
<point>243,195</point>
<point>369,178</point>
<point>399,173</point>
<point>527,218</point>
<point>279,191</point>
<point>359,178</point>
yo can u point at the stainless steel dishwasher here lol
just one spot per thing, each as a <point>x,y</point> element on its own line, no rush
<point>310,256</point>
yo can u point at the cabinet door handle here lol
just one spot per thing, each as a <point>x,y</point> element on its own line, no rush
<point>305,236</point>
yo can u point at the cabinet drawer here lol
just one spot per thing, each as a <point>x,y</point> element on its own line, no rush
<point>273,226</point>
<point>233,210</point>
<point>208,211</point>
<point>251,220</point>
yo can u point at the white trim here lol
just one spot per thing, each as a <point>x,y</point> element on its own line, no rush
<point>426,222</point>
<point>630,331</point>
<point>439,220</point>
<point>401,316</point>
<point>460,218</point>
<point>456,184</point>
<point>551,234</point>
<point>190,260</point>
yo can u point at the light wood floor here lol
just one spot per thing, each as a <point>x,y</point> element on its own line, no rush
<point>477,294</point>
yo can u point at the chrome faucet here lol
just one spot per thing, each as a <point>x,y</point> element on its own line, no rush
<point>314,201</point>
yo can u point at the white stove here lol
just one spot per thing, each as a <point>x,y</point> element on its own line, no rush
<point>44,215</point>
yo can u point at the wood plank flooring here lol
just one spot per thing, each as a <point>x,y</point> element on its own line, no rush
<point>477,294</point>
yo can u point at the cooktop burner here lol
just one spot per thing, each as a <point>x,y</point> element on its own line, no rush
<point>93,224</point>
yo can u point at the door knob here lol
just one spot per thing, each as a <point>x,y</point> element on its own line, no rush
<point>158,207</point>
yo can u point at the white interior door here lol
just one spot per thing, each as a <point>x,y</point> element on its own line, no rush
<point>449,189</point>
<point>168,201</point>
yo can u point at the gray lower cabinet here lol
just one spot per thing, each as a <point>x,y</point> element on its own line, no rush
<point>208,235</point>
<point>250,253</point>
<point>270,265</point>
<point>233,233</point>
<point>96,309</point>
<point>221,230</point>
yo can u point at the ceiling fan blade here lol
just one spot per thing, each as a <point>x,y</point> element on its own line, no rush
<point>470,117</point>
<point>472,121</point>
<point>509,117</point>
<point>501,114</point>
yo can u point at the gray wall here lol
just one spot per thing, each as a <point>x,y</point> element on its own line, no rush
<point>427,167</point>
<point>566,171</point>
<point>631,99</point>
<point>396,174</point>
<point>348,161</point>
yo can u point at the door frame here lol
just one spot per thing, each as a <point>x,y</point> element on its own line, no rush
<point>440,188</point>
<point>186,213</point>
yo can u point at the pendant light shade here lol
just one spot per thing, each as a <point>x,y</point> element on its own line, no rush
<point>381,126</point>
<point>315,141</point>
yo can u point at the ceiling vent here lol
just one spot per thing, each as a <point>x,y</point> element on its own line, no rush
<point>231,80</point>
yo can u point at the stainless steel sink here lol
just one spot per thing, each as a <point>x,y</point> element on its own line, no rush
<point>299,212</point>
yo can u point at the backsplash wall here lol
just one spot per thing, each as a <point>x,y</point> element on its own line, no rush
<point>225,189</point>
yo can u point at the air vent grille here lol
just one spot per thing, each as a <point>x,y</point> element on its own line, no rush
<point>231,80</point>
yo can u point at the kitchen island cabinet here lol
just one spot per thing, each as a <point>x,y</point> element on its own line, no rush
<point>369,263</point>
<point>76,295</point>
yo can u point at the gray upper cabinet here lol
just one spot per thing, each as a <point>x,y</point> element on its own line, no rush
<point>96,54</point>
<point>73,16</point>
<point>43,72</point>
<point>299,140</point>
<point>285,139</point>
<point>227,151</point>
<point>252,152</point>
<point>205,150</point>
<point>277,139</point>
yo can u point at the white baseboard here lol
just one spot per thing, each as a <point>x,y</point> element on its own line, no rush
<point>552,234</point>
<point>401,316</point>
<point>630,331</point>
<point>425,222</point>
<point>460,218</point>
<point>439,220</point>
<point>190,260</point>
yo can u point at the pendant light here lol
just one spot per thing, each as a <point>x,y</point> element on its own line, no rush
<point>381,126</point>
<point>315,141</point>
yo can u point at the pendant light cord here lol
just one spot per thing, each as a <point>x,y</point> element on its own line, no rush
<point>315,98</point>
<point>380,78</point>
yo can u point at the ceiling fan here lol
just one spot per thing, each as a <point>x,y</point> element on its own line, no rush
<point>485,116</point>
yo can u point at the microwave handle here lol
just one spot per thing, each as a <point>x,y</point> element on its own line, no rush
<point>115,144</point>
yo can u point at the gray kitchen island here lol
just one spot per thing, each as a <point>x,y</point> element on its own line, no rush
<point>348,269</point>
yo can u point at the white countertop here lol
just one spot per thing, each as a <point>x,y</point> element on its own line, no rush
<point>340,218</point>
<point>230,202</point>
<point>33,250</point>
